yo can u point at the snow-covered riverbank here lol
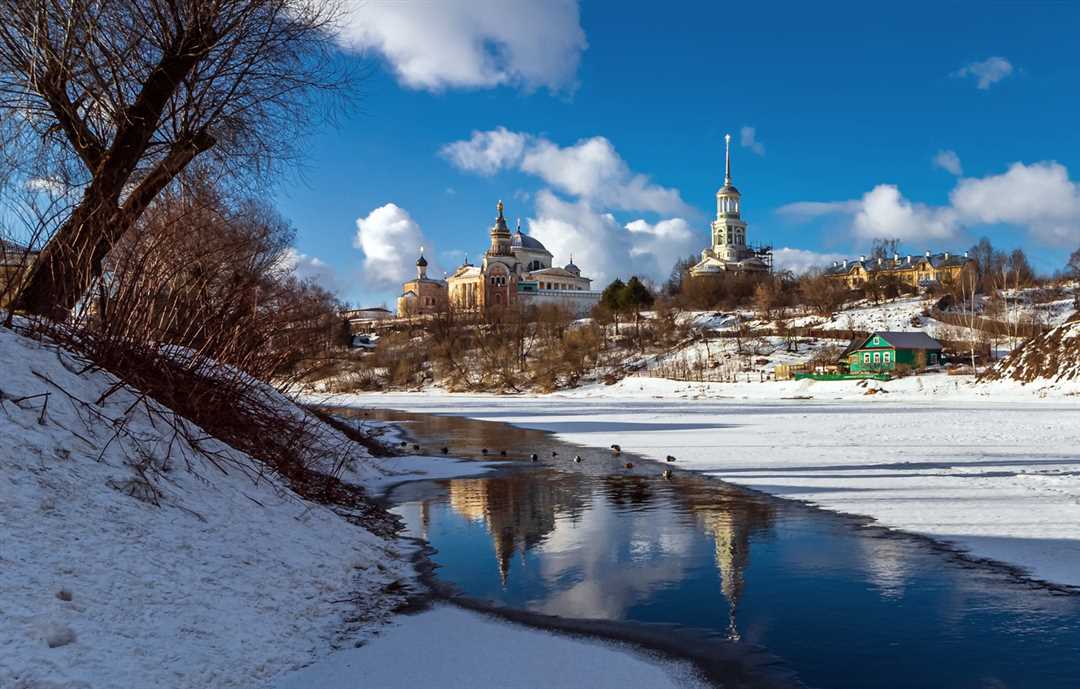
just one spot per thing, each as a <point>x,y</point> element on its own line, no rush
<point>204,577</point>
<point>995,471</point>
<point>452,648</point>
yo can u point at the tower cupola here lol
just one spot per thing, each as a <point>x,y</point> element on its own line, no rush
<point>421,266</point>
<point>500,235</point>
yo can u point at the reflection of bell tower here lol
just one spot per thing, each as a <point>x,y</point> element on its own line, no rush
<point>732,520</point>
<point>732,545</point>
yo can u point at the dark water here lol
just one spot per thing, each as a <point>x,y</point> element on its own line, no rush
<point>843,605</point>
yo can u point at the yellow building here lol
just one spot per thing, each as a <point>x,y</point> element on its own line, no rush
<point>422,295</point>
<point>515,269</point>
<point>15,261</point>
<point>916,271</point>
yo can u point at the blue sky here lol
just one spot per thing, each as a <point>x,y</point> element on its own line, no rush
<point>601,126</point>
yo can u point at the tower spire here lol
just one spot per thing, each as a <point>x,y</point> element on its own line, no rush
<point>727,160</point>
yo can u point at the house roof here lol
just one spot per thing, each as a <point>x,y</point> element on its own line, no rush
<point>873,265</point>
<point>556,271</point>
<point>13,254</point>
<point>915,339</point>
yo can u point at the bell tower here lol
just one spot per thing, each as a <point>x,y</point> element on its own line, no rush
<point>728,230</point>
<point>500,235</point>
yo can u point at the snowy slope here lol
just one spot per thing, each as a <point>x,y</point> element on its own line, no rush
<point>229,582</point>
<point>1048,361</point>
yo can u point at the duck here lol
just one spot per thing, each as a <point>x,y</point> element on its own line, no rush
<point>670,458</point>
<point>577,458</point>
<point>554,453</point>
<point>502,453</point>
<point>483,451</point>
<point>416,446</point>
<point>404,444</point>
<point>616,450</point>
<point>445,450</point>
<point>629,465</point>
<point>534,457</point>
<point>667,474</point>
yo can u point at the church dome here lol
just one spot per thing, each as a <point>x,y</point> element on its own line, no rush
<point>572,269</point>
<point>421,262</point>
<point>524,241</point>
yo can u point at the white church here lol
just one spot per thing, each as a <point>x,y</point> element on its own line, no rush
<point>730,251</point>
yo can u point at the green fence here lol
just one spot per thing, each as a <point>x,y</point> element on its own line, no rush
<point>841,376</point>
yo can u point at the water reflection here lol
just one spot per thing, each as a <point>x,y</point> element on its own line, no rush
<point>844,606</point>
<point>732,522</point>
<point>583,569</point>
<point>518,511</point>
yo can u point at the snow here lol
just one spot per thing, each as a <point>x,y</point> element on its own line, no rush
<point>989,468</point>
<point>419,467</point>
<point>230,580</point>
<point>464,650</point>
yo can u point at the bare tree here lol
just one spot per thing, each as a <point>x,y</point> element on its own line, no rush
<point>114,98</point>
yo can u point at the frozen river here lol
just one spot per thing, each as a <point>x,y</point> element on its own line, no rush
<point>838,602</point>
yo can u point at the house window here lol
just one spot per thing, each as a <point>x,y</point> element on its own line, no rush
<point>866,357</point>
<point>886,357</point>
<point>877,357</point>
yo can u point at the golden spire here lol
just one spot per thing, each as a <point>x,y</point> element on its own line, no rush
<point>499,206</point>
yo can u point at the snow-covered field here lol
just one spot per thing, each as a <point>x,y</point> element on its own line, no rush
<point>451,648</point>
<point>990,468</point>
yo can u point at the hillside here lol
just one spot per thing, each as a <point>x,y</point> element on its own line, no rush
<point>1048,360</point>
<point>136,555</point>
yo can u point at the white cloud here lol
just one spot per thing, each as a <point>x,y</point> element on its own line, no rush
<point>595,239</point>
<point>950,162</point>
<point>1038,197</point>
<point>882,212</point>
<point>655,247</point>
<point>590,169</point>
<point>801,260</point>
<point>312,268</point>
<point>808,210</point>
<point>987,72</point>
<point>48,185</point>
<point>488,152</point>
<point>748,139</point>
<point>604,248</point>
<point>390,240</point>
<point>885,213</point>
<point>470,43</point>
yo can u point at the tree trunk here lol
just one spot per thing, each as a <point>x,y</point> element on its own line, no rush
<point>72,259</point>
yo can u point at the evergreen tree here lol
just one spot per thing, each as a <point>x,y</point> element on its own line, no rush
<point>612,296</point>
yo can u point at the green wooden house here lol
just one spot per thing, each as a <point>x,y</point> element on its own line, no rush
<point>886,351</point>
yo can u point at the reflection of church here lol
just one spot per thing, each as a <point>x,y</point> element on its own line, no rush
<point>729,251</point>
<point>516,269</point>
<point>518,511</point>
<point>732,524</point>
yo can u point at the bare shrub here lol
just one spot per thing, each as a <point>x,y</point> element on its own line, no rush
<point>114,99</point>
